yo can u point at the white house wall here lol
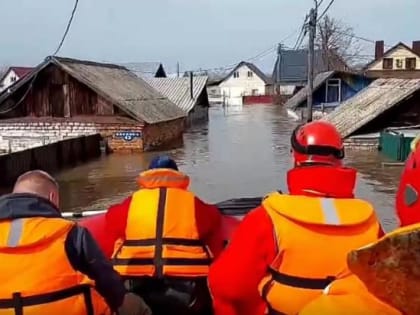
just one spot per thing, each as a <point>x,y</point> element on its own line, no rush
<point>400,52</point>
<point>234,88</point>
<point>8,80</point>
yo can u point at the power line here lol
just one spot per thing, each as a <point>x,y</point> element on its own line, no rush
<point>67,28</point>
<point>326,10</point>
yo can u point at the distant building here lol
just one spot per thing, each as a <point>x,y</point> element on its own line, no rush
<point>400,61</point>
<point>146,69</point>
<point>290,71</point>
<point>12,75</point>
<point>189,94</point>
<point>64,98</point>
<point>330,90</point>
<point>244,80</point>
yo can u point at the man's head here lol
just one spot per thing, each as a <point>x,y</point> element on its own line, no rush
<point>317,142</point>
<point>163,161</point>
<point>39,183</point>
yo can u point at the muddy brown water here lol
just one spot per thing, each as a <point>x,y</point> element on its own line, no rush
<point>241,151</point>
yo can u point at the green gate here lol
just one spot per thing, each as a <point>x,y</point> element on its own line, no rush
<point>395,145</point>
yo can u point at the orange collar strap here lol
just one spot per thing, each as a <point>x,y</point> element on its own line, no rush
<point>163,177</point>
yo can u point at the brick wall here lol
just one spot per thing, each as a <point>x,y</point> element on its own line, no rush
<point>19,136</point>
<point>360,143</point>
<point>160,134</point>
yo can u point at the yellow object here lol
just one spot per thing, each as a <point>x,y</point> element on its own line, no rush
<point>314,236</point>
<point>161,234</point>
<point>36,276</point>
<point>347,296</point>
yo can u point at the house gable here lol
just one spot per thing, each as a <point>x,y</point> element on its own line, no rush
<point>399,54</point>
<point>243,76</point>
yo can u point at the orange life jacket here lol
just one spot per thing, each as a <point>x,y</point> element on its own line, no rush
<point>348,296</point>
<point>314,236</point>
<point>36,276</point>
<point>161,237</point>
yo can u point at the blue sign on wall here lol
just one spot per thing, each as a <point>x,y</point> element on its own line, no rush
<point>128,135</point>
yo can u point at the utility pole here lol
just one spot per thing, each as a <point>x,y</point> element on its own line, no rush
<point>278,75</point>
<point>177,69</point>
<point>312,33</point>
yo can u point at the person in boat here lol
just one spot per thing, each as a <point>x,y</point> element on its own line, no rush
<point>366,292</point>
<point>285,252</point>
<point>50,265</point>
<point>166,239</point>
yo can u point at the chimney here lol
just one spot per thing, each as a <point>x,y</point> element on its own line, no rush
<point>379,49</point>
<point>191,85</point>
<point>416,47</point>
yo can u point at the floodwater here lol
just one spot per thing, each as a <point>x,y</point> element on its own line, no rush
<point>241,151</point>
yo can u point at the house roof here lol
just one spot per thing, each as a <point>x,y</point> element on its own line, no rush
<point>177,90</point>
<point>116,84</point>
<point>389,51</point>
<point>144,69</point>
<point>380,96</point>
<point>19,71</point>
<point>300,97</point>
<point>253,68</point>
<point>294,65</point>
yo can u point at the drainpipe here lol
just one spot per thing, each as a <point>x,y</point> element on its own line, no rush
<point>191,85</point>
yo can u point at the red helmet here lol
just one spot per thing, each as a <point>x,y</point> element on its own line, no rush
<point>407,201</point>
<point>317,142</point>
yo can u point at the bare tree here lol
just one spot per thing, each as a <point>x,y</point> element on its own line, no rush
<point>337,43</point>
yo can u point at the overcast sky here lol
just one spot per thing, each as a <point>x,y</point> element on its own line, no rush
<point>197,33</point>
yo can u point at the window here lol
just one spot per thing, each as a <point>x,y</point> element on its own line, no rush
<point>236,74</point>
<point>250,74</point>
<point>333,91</point>
<point>12,79</point>
<point>410,63</point>
<point>388,63</point>
<point>399,63</point>
<point>254,91</point>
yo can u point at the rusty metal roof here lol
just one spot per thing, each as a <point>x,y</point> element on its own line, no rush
<point>380,96</point>
<point>114,83</point>
<point>178,90</point>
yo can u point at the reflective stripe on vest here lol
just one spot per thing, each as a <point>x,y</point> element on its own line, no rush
<point>159,242</point>
<point>18,302</point>
<point>10,246</point>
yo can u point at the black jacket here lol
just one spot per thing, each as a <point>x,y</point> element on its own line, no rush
<point>82,250</point>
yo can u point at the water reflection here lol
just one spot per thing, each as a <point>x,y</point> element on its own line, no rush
<point>242,151</point>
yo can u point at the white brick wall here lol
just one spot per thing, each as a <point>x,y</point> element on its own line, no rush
<point>28,135</point>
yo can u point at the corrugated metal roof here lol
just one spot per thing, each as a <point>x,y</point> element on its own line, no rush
<point>143,69</point>
<point>116,84</point>
<point>178,89</point>
<point>371,102</point>
<point>294,102</point>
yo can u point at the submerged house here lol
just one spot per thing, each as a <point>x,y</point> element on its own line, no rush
<point>290,73</point>
<point>330,90</point>
<point>64,98</point>
<point>399,61</point>
<point>385,103</point>
<point>188,93</point>
<point>244,80</point>
<point>146,69</point>
<point>12,75</point>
